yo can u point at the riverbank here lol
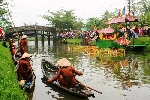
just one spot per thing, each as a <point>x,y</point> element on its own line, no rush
<point>139,41</point>
<point>9,88</point>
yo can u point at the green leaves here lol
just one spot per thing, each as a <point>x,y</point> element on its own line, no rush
<point>63,20</point>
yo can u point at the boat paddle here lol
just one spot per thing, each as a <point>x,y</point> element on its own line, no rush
<point>90,88</point>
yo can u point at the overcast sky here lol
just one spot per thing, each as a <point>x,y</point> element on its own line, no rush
<point>28,11</point>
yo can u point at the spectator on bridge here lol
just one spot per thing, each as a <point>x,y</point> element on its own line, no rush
<point>23,44</point>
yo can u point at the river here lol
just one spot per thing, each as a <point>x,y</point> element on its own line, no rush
<point>130,82</point>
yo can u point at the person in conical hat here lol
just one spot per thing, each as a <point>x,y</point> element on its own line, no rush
<point>23,44</point>
<point>13,49</point>
<point>24,36</point>
<point>25,68</point>
<point>66,74</point>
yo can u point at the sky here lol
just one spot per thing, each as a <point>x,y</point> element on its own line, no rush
<point>29,11</point>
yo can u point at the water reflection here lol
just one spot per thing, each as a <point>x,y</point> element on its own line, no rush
<point>117,77</point>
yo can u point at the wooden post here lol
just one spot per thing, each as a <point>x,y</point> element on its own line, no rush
<point>48,34</point>
<point>42,36</point>
<point>54,35</point>
<point>36,40</point>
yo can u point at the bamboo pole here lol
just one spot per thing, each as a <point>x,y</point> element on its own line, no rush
<point>13,25</point>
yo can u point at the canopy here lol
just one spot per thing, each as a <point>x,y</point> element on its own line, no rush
<point>123,19</point>
<point>106,30</point>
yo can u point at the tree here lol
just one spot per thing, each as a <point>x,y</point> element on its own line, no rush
<point>4,17</point>
<point>64,19</point>
<point>93,22</point>
<point>145,12</point>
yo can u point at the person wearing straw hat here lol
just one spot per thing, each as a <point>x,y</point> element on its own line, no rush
<point>23,44</point>
<point>66,74</point>
<point>24,70</point>
<point>11,41</point>
<point>13,49</point>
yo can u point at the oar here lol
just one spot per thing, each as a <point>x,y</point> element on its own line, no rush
<point>90,88</point>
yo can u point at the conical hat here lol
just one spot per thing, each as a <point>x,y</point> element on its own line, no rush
<point>24,36</point>
<point>22,82</point>
<point>14,43</point>
<point>63,62</point>
<point>25,55</point>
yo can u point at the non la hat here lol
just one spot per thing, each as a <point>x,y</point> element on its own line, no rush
<point>24,36</point>
<point>14,43</point>
<point>22,82</point>
<point>25,55</point>
<point>63,62</point>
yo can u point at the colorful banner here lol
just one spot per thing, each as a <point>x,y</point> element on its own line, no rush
<point>123,10</point>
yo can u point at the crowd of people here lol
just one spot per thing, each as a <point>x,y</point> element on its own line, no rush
<point>85,35</point>
<point>135,31</point>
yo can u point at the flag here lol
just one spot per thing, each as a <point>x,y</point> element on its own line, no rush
<point>123,10</point>
<point>120,12</point>
<point>116,12</point>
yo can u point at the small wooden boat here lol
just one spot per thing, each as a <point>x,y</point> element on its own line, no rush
<point>79,90</point>
<point>17,55</point>
<point>28,83</point>
<point>136,47</point>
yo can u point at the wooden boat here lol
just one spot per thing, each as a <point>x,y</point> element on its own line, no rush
<point>136,47</point>
<point>28,83</point>
<point>17,55</point>
<point>79,90</point>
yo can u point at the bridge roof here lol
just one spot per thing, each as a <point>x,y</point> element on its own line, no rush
<point>30,28</point>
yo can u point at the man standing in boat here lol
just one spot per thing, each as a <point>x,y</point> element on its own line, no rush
<point>66,74</point>
<point>23,44</point>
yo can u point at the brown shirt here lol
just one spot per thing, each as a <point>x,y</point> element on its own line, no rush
<point>68,76</point>
<point>24,65</point>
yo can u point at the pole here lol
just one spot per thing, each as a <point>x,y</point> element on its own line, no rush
<point>12,23</point>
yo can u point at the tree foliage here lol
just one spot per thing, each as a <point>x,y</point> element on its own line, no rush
<point>64,19</point>
<point>4,17</point>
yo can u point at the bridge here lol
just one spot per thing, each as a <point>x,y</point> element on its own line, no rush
<point>32,31</point>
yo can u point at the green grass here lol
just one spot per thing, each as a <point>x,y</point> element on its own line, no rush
<point>142,41</point>
<point>9,88</point>
<point>74,41</point>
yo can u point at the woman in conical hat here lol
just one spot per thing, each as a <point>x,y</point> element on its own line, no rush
<point>23,44</point>
<point>13,49</point>
<point>25,68</point>
<point>66,74</point>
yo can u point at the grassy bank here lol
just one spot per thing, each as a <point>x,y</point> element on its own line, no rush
<point>9,88</point>
<point>142,41</point>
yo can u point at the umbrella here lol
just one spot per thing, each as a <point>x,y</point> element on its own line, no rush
<point>122,41</point>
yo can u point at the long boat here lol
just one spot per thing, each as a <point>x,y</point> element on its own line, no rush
<point>28,83</point>
<point>49,71</point>
<point>17,55</point>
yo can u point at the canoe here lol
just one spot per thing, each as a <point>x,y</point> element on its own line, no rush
<point>49,71</point>
<point>28,83</point>
<point>17,55</point>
